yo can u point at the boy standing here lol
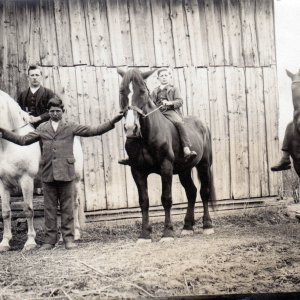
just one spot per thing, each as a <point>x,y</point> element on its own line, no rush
<point>168,96</point>
<point>58,171</point>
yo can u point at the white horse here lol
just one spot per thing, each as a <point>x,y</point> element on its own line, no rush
<point>18,167</point>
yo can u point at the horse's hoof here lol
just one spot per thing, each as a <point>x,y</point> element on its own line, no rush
<point>141,241</point>
<point>166,239</point>
<point>186,232</point>
<point>4,248</point>
<point>29,247</point>
<point>208,231</point>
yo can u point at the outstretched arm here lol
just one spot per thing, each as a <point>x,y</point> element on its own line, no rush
<point>21,140</point>
<point>86,131</point>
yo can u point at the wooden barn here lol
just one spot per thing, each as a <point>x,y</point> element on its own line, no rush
<point>223,58</point>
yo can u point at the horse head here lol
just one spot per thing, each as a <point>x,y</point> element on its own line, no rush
<point>12,116</point>
<point>134,95</point>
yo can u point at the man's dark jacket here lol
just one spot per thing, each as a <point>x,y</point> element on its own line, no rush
<point>42,98</point>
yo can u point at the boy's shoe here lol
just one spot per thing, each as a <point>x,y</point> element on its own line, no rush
<point>70,245</point>
<point>284,164</point>
<point>47,247</point>
<point>125,161</point>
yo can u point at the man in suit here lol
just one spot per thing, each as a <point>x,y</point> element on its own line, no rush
<point>58,171</point>
<point>34,99</point>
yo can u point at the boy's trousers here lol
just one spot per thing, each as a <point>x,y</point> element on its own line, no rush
<point>58,192</point>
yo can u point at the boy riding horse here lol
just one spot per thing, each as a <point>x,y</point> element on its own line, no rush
<point>168,98</point>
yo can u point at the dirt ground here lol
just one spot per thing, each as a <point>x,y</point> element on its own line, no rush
<point>252,251</point>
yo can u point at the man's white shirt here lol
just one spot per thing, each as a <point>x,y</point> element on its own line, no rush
<point>54,125</point>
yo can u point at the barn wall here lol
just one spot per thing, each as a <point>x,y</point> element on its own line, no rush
<point>222,53</point>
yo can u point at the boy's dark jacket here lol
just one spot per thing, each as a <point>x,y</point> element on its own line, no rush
<point>57,157</point>
<point>173,96</point>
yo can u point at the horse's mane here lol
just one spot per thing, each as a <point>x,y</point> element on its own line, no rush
<point>11,114</point>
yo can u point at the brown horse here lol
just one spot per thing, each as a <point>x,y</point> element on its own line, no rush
<point>153,146</point>
<point>292,133</point>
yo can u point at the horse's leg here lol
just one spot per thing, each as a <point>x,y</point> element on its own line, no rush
<point>6,215</point>
<point>166,198</point>
<point>140,179</point>
<point>191,193</point>
<point>76,211</point>
<point>26,183</point>
<point>297,167</point>
<point>207,194</point>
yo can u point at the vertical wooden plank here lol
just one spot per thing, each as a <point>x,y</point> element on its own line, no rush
<point>232,33</point>
<point>249,38</point>
<point>48,81</point>
<point>162,33</point>
<point>63,32</point>
<point>2,43</point>
<point>214,32</point>
<point>67,79</point>
<point>237,110</point>
<point>197,93</point>
<point>141,33</point>
<point>34,33</point>
<point>180,34</point>
<point>181,85</point>
<point>272,119</point>
<point>258,163</point>
<point>89,114</point>
<point>113,140</point>
<point>220,132</point>
<point>197,33</point>
<point>48,42</point>
<point>22,34</point>
<point>97,29</point>
<point>10,53</point>
<point>79,40</point>
<point>265,32</point>
<point>119,32</point>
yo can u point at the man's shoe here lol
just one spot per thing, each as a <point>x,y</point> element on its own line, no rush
<point>125,162</point>
<point>284,164</point>
<point>47,247</point>
<point>70,245</point>
<point>190,156</point>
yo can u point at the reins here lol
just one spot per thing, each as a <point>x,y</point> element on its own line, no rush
<point>138,110</point>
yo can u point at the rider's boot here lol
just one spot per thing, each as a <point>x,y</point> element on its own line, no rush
<point>283,164</point>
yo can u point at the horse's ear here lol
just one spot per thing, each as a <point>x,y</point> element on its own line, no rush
<point>290,74</point>
<point>120,72</point>
<point>145,75</point>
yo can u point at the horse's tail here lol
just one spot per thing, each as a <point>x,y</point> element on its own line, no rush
<point>205,171</point>
<point>212,189</point>
<point>211,173</point>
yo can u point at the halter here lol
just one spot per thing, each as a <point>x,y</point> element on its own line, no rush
<point>296,81</point>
